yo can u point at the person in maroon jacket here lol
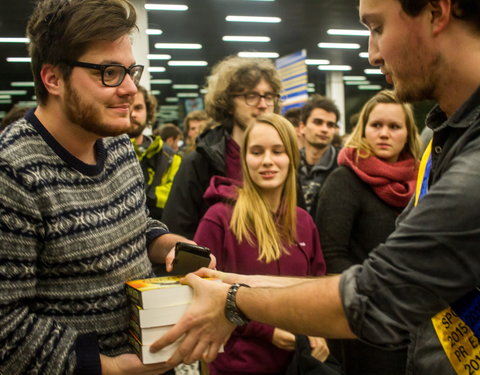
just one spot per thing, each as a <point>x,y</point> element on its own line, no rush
<point>257,229</point>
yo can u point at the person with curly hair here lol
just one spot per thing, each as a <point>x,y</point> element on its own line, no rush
<point>239,90</point>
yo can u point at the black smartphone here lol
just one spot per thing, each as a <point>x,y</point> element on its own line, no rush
<point>189,258</point>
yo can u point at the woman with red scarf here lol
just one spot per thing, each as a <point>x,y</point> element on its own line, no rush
<point>359,203</point>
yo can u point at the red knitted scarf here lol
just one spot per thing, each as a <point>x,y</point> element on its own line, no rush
<point>394,183</point>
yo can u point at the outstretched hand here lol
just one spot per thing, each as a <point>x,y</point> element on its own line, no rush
<point>127,364</point>
<point>204,326</point>
<point>226,277</point>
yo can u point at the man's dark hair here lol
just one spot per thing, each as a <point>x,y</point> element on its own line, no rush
<point>61,31</point>
<point>467,10</point>
<point>169,131</point>
<point>293,115</point>
<point>150,104</point>
<point>16,113</point>
<point>318,101</point>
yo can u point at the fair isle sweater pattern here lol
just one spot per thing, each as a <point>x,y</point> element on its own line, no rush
<point>70,235</point>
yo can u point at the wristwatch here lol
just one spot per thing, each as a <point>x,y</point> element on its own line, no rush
<point>232,313</point>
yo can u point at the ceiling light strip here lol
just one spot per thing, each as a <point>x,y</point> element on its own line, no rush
<point>19,59</point>
<point>188,95</point>
<point>27,103</point>
<point>171,7</point>
<point>357,83</point>
<point>253,19</point>
<point>187,63</point>
<point>370,87</point>
<point>239,38</point>
<point>272,55</point>
<point>348,32</point>
<point>340,68</point>
<point>14,40</point>
<point>158,57</point>
<point>13,92</point>
<point>178,46</point>
<point>22,84</point>
<point>317,62</point>
<point>373,71</point>
<point>153,32</point>
<point>185,87</point>
<point>156,69</point>
<point>354,78</point>
<point>160,81</point>
<point>339,45</point>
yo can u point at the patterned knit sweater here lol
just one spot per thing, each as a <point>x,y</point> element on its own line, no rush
<point>70,235</point>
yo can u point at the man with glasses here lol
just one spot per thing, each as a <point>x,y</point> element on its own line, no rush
<point>318,124</point>
<point>238,90</point>
<point>74,226</point>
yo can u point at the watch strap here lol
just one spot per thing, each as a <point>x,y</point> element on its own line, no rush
<point>232,312</point>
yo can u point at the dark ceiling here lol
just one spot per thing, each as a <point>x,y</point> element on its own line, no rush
<point>304,24</point>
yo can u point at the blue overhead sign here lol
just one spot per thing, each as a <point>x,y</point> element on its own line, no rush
<point>293,73</point>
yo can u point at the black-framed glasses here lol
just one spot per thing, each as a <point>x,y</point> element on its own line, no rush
<point>253,99</point>
<point>113,74</point>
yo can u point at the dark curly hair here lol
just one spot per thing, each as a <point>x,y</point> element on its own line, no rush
<point>234,75</point>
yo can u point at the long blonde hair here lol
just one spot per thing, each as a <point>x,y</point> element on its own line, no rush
<point>252,215</point>
<point>357,138</point>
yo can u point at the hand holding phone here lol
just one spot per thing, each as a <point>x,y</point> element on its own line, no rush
<point>189,258</point>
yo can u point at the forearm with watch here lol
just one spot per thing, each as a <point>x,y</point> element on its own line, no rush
<point>311,308</point>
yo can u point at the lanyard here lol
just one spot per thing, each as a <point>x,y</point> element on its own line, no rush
<point>458,326</point>
<point>423,173</point>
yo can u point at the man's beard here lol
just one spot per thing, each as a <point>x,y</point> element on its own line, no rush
<point>87,116</point>
<point>414,94</point>
<point>137,128</point>
<point>422,87</point>
<point>416,91</point>
<point>318,146</point>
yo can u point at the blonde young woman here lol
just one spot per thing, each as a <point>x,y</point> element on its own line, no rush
<point>257,229</point>
<point>359,203</point>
